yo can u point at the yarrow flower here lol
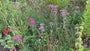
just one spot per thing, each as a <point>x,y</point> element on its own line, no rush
<point>42,24</point>
<point>77,24</point>
<point>13,36</point>
<point>6,30</point>
<point>77,7</point>
<point>16,2</point>
<point>65,18</point>
<point>16,36</point>
<point>14,28</point>
<point>32,22</point>
<point>41,28</point>
<point>31,19</point>
<point>55,11</point>
<point>25,27</point>
<point>61,23</point>
<point>52,5</point>
<point>51,30</point>
<point>39,34</point>
<point>17,15</point>
<point>34,25</point>
<point>64,12</point>
<point>75,11</point>
<point>20,40</point>
<point>64,24</point>
<point>51,23</point>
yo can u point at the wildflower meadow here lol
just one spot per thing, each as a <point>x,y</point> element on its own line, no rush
<point>44,25</point>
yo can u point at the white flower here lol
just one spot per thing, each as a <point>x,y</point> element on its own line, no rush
<point>86,1</point>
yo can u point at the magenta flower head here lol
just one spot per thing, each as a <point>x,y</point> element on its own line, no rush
<point>64,10</point>
<point>61,23</point>
<point>22,28</point>
<point>39,34</point>
<point>55,11</point>
<point>13,36</point>
<point>49,49</point>
<point>16,2</point>
<point>32,22</point>
<point>14,28</point>
<point>75,11</point>
<point>20,40</point>
<point>34,25</point>
<point>65,18</point>
<point>17,15</point>
<point>64,24</point>
<point>51,23</point>
<point>25,27</point>
<point>42,24</point>
<point>51,30</point>
<point>17,36</point>
<point>41,28</point>
<point>77,7</point>
<point>20,36</point>
<point>31,19</point>
<point>52,5</point>
<point>77,24</point>
<point>49,5</point>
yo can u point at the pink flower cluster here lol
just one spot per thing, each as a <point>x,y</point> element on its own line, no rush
<point>17,2</point>
<point>51,30</point>
<point>39,34</point>
<point>76,7</point>
<point>42,27</point>
<point>55,11</point>
<point>14,28</point>
<point>64,12</point>
<point>17,37</point>
<point>75,11</point>
<point>52,5</point>
<point>51,23</point>
<point>32,22</point>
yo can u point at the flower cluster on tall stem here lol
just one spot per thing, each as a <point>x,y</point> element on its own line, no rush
<point>32,22</point>
<point>64,13</point>
<point>41,27</point>
<point>53,6</point>
<point>17,37</point>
